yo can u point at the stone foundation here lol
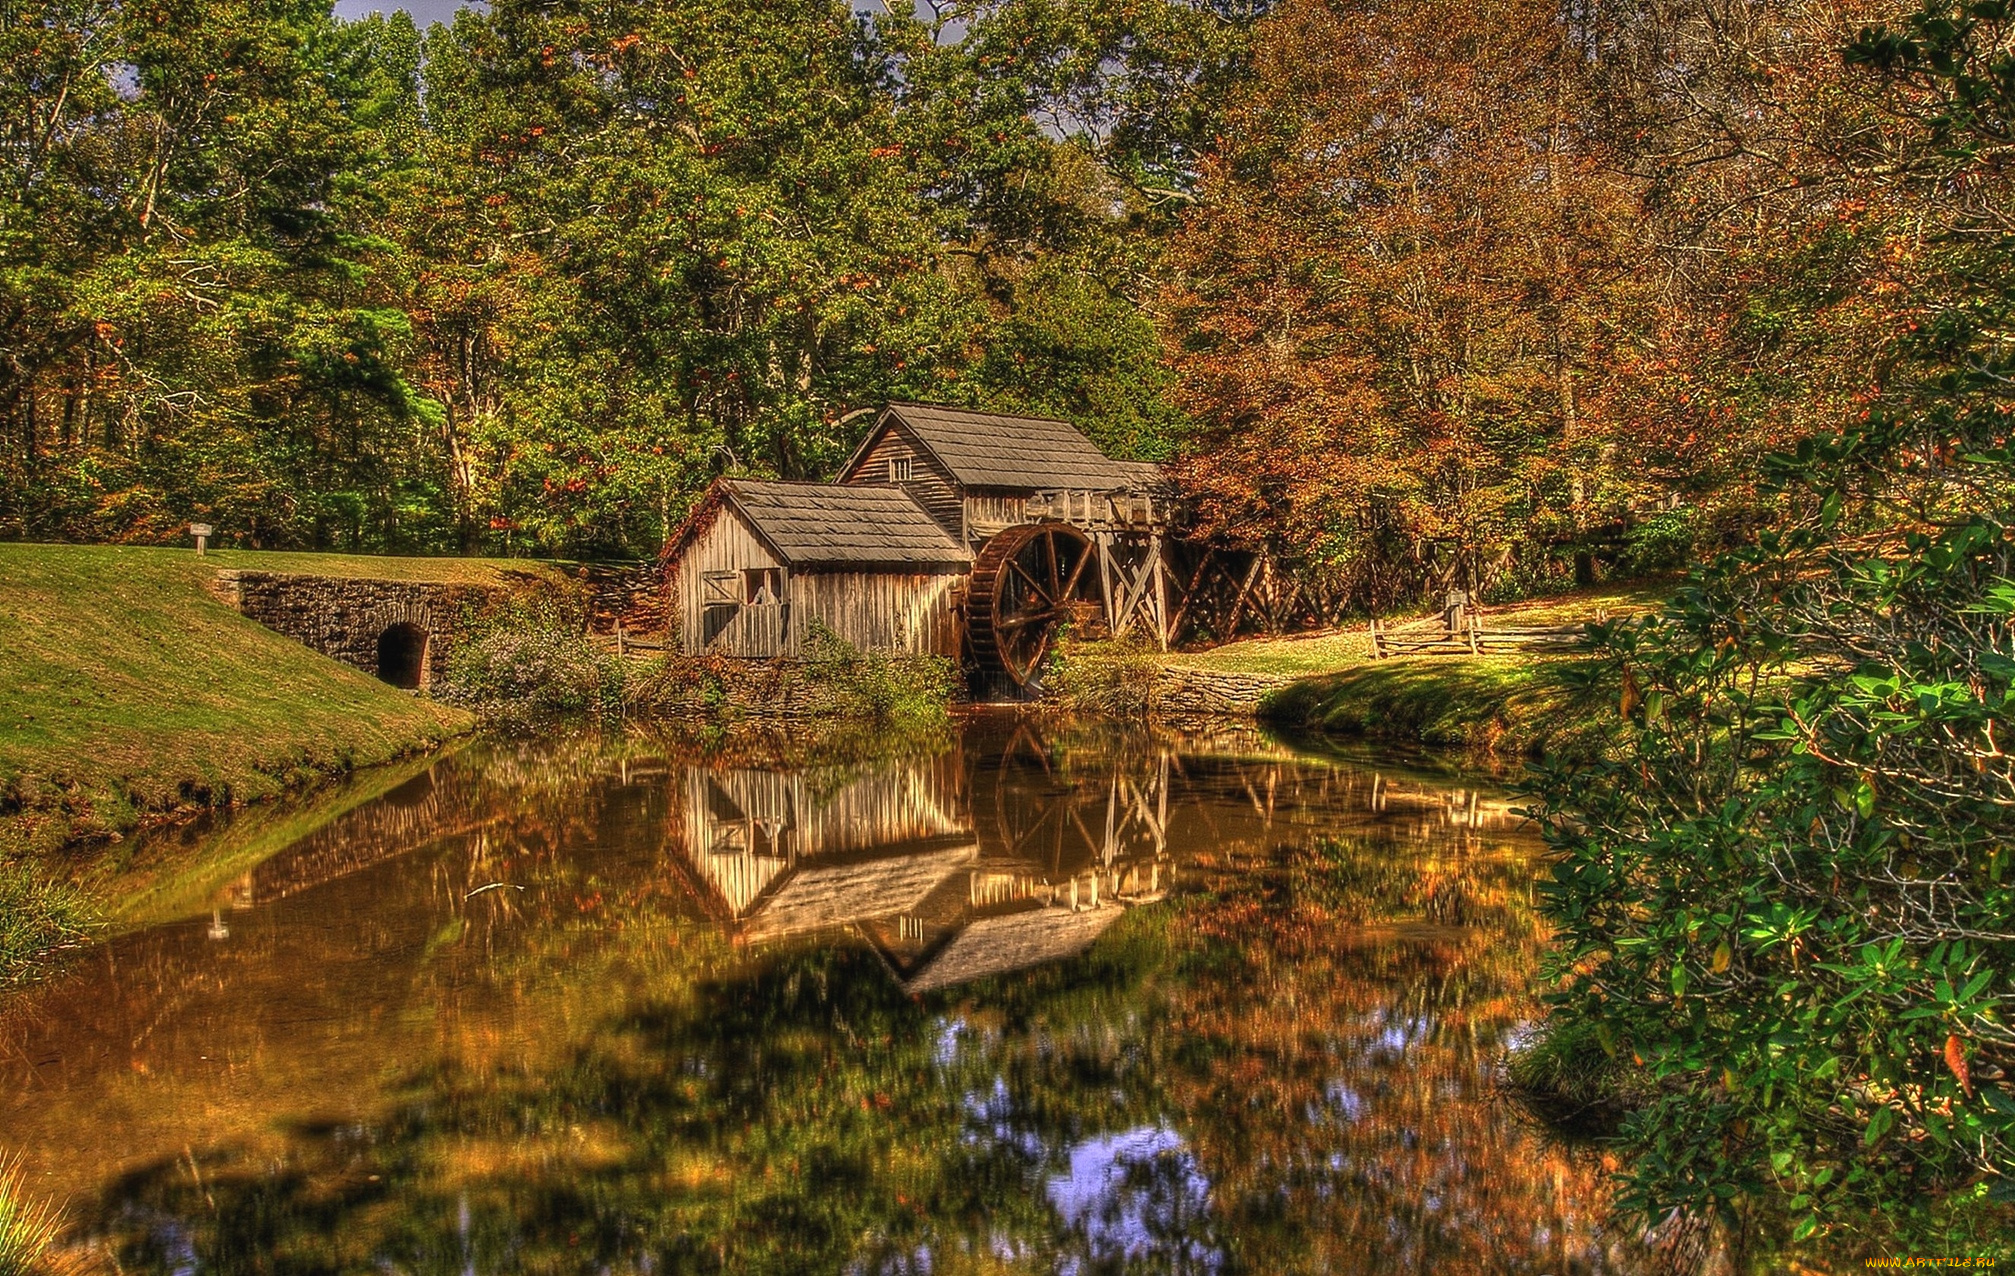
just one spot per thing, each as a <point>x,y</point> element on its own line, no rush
<point>349,619</point>
<point>1212,693</point>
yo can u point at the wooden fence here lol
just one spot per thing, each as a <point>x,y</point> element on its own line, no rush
<point>1435,638</point>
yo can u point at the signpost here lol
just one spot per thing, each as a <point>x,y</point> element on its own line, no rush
<point>201,531</point>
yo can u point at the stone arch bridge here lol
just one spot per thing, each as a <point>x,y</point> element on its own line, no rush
<point>398,630</point>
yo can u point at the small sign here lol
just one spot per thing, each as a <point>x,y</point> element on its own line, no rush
<point>201,531</point>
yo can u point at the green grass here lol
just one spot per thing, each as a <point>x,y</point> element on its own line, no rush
<point>1566,1075</point>
<point>37,914</point>
<point>1512,705</point>
<point>1305,655</point>
<point>447,571</point>
<point>128,693</point>
<point>28,1228</point>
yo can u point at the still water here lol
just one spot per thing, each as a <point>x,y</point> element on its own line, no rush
<point>1012,1000</point>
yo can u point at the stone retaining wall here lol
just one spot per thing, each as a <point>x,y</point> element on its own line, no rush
<point>1184,692</point>
<point>345,617</point>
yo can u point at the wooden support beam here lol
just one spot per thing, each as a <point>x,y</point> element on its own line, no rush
<point>1238,602</point>
<point>1182,603</point>
<point>1102,546</point>
<point>1160,574</point>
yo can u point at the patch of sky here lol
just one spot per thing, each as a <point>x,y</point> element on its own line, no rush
<point>1136,1196</point>
<point>990,1118</point>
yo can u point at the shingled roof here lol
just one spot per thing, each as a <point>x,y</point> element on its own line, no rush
<point>989,449</point>
<point>822,525</point>
<point>1016,941</point>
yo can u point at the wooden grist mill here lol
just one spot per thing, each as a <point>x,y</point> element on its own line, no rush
<point>973,535</point>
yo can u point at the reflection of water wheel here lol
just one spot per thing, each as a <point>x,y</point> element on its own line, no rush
<point>1023,584</point>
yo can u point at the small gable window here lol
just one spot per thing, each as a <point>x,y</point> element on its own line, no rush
<point>901,469</point>
<point>762,585</point>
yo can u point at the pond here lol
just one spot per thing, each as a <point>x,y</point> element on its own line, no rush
<point>1010,1000</point>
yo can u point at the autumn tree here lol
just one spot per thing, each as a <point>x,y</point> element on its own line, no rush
<point>1396,307</point>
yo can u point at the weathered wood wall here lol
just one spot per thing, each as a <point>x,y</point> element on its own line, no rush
<point>930,484</point>
<point>906,611</point>
<point>990,513</point>
<point>879,611</point>
<point>728,545</point>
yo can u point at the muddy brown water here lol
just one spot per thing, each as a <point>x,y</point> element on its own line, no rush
<point>1009,1000</point>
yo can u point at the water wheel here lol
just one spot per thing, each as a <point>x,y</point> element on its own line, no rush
<point>1024,583</point>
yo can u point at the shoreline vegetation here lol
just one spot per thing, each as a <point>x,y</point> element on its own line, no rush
<point>135,699</point>
<point>1507,707</point>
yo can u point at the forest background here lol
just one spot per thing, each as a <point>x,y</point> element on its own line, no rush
<point>1411,291</point>
<point>1408,292</point>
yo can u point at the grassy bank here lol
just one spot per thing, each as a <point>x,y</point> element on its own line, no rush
<point>128,694</point>
<point>1506,705</point>
<point>1512,705</point>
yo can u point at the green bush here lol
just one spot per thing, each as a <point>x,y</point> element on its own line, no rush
<point>1663,542</point>
<point>532,660</point>
<point>882,687</point>
<point>1111,678</point>
<point>1789,889</point>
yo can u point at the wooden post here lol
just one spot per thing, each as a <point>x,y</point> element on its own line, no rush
<point>1238,601</point>
<point>1475,636</point>
<point>1160,589</point>
<point>619,637</point>
<point>1377,640</point>
<point>1102,544</point>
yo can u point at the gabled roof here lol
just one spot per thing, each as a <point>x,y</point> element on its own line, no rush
<point>1015,941</point>
<point>812,525</point>
<point>819,895</point>
<point>991,449</point>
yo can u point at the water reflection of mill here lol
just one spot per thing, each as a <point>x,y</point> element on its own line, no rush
<point>975,864</point>
<point>972,862</point>
<point>954,867</point>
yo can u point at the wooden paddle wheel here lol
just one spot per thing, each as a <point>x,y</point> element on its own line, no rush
<point>1025,583</point>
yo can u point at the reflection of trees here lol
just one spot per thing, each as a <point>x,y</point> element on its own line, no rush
<point>1282,1065</point>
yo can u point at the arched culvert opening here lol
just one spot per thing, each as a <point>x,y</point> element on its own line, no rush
<point>402,656</point>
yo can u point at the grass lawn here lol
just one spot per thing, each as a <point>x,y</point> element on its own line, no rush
<point>128,693</point>
<point>1512,705</point>
<point>1304,655</point>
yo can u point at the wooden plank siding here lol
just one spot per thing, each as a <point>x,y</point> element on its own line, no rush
<point>728,545</point>
<point>875,610</point>
<point>991,513</point>
<point>879,611</point>
<point>931,485</point>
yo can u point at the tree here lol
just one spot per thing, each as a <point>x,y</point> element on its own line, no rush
<point>1787,892</point>
<point>1394,310</point>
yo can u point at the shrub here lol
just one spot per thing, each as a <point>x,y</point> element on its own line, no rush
<point>1663,542</point>
<point>1788,890</point>
<point>532,660</point>
<point>1112,678</point>
<point>882,687</point>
